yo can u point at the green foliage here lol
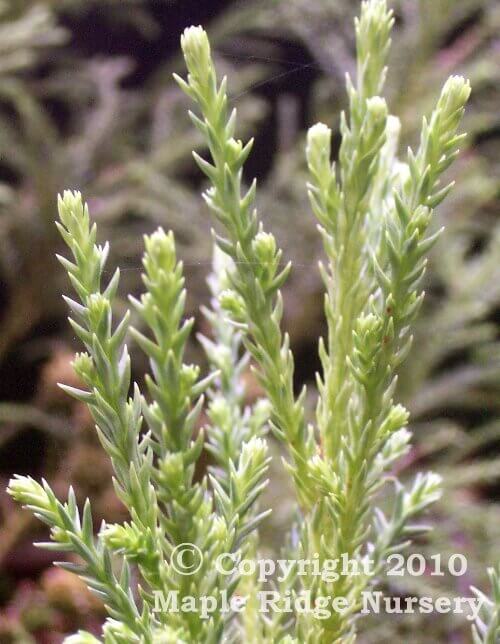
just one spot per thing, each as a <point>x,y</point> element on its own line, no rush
<point>375,215</point>
<point>154,470</point>
<point>254,303</point>
<point>486,630</point>
<point>372,297</point>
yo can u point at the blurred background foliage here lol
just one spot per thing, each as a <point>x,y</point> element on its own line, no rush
<point>87,102</point>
